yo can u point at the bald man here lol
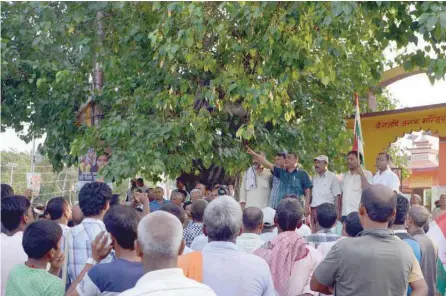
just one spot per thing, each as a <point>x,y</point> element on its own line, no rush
<point>250,239</point>
<point>160,241</point>
<point>349,261</point>
<point>418,217</point>
<point>416,200</point>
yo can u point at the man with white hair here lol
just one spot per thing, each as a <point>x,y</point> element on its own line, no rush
<point>159,248</point>
<point>196,194</point>
<point>226,269</point>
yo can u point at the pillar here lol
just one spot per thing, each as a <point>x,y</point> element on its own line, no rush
<point>442,162</point>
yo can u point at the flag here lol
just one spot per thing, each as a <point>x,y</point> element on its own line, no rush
<point>437,232</point>
<point>358,143</point>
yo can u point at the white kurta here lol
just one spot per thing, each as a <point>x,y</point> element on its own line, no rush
<point>257,197</point>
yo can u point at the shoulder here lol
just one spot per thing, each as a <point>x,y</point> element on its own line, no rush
<point>55,286</point>
<point>302,172</point>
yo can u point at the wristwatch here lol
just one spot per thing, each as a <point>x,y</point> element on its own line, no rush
<point>91,261</point>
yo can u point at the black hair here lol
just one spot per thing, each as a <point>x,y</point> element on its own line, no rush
<point>197,210</point>
<point>223,190</point>
<point>281,154</point>
<point>326,215</point>
<point>186,204</point>
<point>93,198</point>
<point>294,154</point>
<point>402,208</point>
<point>141,180</point>
<point>379,209</point>
<point>114,200</point>
<point>252,218</point>
<point>56,207</point>
<point>288,214</point>
<point>355,153</point>
<point>40,237</point>
<point>174,210</point>
<point>352,224</point>
<point>13,209</point>
<point>291,195</point>
<point>122,222</point>
<point>386,154</point>
<point>6,191</point>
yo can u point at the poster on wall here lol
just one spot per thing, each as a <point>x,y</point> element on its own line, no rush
<point>34,182</point>
<point>90,165</point>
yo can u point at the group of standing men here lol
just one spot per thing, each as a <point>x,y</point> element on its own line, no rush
<point>264,184</point>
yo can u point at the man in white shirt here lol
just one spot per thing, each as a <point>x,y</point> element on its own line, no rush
<point>250,240</point>
<point>226,269</point>
<point>60,212</point>
<point>326,188</point>
<point>255,188</point>
<point>385,176</point>
<point>160,241</point>
<point>16,214</point>
<point>353,182</point>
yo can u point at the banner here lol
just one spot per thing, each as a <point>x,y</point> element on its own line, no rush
<point>89,166</point>
<point>34,182</point>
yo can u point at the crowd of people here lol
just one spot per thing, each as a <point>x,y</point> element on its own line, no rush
<point>286,233</point>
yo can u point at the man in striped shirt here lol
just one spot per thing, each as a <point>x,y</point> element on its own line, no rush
<point>274,199</point>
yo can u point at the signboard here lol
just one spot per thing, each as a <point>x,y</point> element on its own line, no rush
<point>89,167</point>
<point>33,182</point>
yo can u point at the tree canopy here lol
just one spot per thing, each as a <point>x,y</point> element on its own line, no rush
<point>188,81</point>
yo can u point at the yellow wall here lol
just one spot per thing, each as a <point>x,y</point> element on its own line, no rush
<point>380,129</point>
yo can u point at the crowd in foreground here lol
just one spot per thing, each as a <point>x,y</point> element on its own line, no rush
<point>211,244</point>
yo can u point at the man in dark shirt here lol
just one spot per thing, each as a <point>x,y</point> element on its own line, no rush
<point>293,180</point>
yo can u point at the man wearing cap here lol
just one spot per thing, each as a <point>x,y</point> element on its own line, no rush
<point>269,226</point>
<point>326,188</point>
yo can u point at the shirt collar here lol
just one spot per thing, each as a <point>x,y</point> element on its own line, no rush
<point>161,274</point>
<point>400,231</point>
<point>380,232</point>
<point>91,220</point>
<point>325,230</point>
<point>385,172</point>
<point>221,246</point>
<point>249,236</point>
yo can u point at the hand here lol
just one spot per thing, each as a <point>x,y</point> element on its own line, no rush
<point>250,151</point>
<point>307,211</point>
<point>57,263</point>
<point>101,247</point>
<point>141,197</point>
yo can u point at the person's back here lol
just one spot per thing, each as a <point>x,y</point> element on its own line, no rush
<point>324,239</point>
<point>250,240</point>
<point>15,214</point>
<point>418,217</point>
<point>374,263</point>
<point>94,199</point>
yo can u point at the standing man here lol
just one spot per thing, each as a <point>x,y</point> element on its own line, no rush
<point>385,176</point>
<point>279,161</point>
<point>195,228</point>
<point>326,189</point>
<point>376,262</point>
<point>418,217</point>
<point>256,186</point>
<point>353,183</point>
<point>196,194</point>
<point>159,249</point>
<point>292,179</point>
<point>438,212</point>
<point>60,212</point>
<point>250,239</point>
<point>415,200</point>
<point>140,185</point>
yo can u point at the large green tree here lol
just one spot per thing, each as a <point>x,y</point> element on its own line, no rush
<point>197,80</point>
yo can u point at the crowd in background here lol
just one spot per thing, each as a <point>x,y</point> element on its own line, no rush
<point>286,234</point>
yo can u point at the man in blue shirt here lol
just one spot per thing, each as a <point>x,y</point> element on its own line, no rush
<point>120,275</point>
<point>293,180</point>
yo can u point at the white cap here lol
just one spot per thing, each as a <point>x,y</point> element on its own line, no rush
<point>322,158</point>
<point>268,216</point>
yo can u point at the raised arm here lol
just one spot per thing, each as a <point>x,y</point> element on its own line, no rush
<point>261,159</point>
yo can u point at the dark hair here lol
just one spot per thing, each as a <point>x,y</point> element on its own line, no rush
<point>402,208</point>
<point>93,198</point>
<point>122,222</point>
<point>379,208</point>
<point>352,224</point>
<point>386,154</point>
<point>6,191</point>
<point>252,218</point>
<point>40,237</point>
<point>141,180</point>
<point>291,195</point>
<point>174,210</point>
<point>294,154</point>
<point>223,190</point>
<point>355,153</point>
<point>186,204</point>
<point>197,209</point>
<point>281,154</point>
<point>289,214</point>
<point>326,215</point>
<point>56,207</point>
<point>114,201</point>
<point>13,209</point>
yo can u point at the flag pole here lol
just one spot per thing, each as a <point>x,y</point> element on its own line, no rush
<point>357,104</point>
